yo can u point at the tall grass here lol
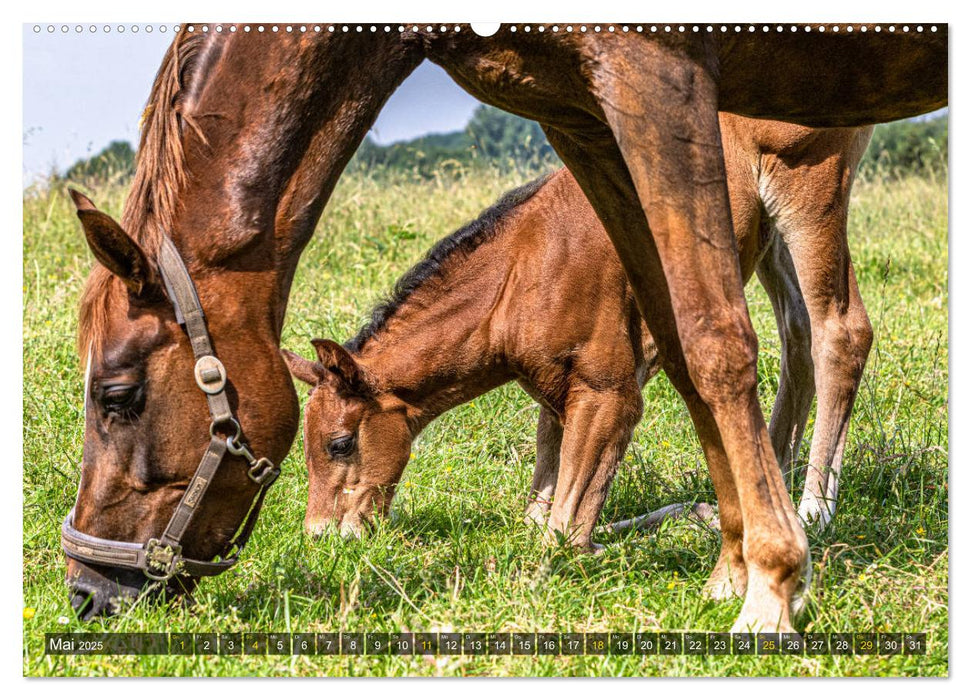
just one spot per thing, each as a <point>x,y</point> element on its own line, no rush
<point>458,556</point>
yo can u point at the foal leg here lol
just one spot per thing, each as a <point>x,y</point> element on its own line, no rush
<point>813,224</point>
<point>796,388</point>
<point>841,340</point>
<point>549,437</point>
<point>596,431</point>
<point>685,274</point>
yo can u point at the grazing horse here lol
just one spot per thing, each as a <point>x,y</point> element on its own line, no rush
<point>245,135</point>
<point>532,291</point>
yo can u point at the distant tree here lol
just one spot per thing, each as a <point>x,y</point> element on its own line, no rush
<point>492,136</point>
<point>907,146</point>
<point>504,138</point>
<point>114,160</point>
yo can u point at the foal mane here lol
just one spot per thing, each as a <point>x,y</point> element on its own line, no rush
<point>160,175</point>
<point>460,243</point>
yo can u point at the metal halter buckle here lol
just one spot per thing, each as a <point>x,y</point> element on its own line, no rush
<point>210,374</point>
<point>263,472</point>
<point>161,557</point>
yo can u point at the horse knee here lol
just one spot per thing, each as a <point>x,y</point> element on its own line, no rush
<point>783,553</point>
<point>721,359</point>
<point>847,343</point>
<point>861,335</point>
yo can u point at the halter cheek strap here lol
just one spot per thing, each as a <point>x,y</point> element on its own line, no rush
<point>161,558</point>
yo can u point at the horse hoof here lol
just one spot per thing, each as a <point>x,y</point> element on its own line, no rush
<point>719,590</point>
<point>757,624</point>
<point>722,586</point>
<point>814,516</point>
<point>535,516</point>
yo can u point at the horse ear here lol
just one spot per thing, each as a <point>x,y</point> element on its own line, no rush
<point>339,362</point>
<point>114,248</point>
<point>306,371</point>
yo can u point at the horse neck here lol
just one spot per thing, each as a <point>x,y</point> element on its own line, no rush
<point>440,350</point>
<point>268,141</point>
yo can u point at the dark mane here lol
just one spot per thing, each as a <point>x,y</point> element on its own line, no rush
<point>160,175</point>
<point>461,242</point>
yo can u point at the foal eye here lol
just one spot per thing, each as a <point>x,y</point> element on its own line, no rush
<point>341,447</point>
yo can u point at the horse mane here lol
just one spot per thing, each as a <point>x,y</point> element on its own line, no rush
<point>460,243</point>
<point>160,175</point>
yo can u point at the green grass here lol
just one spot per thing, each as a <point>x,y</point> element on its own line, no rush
<point>458,556</point>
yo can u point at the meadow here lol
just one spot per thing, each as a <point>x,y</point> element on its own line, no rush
<point>458,556</point>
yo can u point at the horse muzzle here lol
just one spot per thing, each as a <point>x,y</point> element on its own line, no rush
<point>94,593</point>
<point>102,591</point>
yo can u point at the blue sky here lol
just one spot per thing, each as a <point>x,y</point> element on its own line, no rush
<point>82,91</point>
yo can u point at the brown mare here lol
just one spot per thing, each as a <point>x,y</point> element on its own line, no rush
<point>533,291</point>
<point>246,135</point>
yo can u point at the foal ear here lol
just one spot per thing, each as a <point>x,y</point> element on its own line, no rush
<point>339,362</point>
<point>114,248</point>
<point>306,371</point>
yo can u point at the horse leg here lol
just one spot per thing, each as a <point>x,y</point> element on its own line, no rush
<point>729,576</point>
<point>665,160</point>
<point>796,388</point>
<point>597,428</point>
<point>841,340</point>
<point>810,213</point>
<point>549,437</point>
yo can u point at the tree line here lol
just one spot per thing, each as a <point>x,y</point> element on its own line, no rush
<point>497,139</point>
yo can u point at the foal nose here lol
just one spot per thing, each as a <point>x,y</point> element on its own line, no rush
<point>319,528</point>
<point>348,528</point>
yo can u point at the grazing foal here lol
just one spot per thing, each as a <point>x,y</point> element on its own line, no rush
<point>533,291</point>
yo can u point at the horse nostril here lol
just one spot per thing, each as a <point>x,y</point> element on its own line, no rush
<point>82,600</point>
<point>351,530</point>
<point>318,528</point>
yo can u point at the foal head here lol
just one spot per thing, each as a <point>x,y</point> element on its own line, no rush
<point>356,439</point>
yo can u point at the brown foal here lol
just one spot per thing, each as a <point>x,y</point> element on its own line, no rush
<point>533,291</point>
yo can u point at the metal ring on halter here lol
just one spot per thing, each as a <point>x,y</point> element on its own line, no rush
<point>237,430</point>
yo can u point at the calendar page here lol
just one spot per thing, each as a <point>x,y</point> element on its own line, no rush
<point>561,348</point>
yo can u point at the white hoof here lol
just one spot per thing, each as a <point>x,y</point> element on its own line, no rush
<point>535,514</point>
<point>815,514</point>
<point>799,597</point>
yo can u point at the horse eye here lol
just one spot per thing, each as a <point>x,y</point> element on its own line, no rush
<point>341,447</point>
<point>120,397</point>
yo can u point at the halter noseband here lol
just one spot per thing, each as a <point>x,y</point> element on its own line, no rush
<point>161,558</point>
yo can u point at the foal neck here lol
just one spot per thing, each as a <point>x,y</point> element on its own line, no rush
<point>441,348</point>
<point>441,338</point>
<point>439,352</point>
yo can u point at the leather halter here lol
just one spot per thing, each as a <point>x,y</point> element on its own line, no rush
<point>161,558</point>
